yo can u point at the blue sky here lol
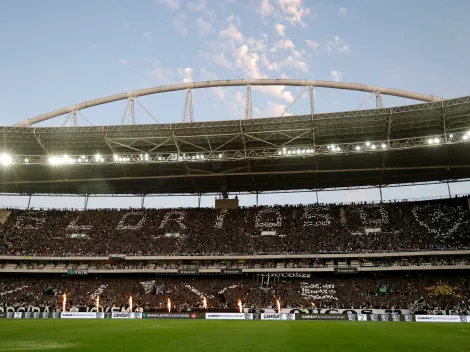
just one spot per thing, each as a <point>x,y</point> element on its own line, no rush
<point>58,53</point>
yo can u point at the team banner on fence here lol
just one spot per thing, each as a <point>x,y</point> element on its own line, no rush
<point>231,271</point>
<point>229,316</point>
<point>439,319</point>
<point>194,271</point>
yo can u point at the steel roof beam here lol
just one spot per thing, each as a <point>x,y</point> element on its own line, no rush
<point>230,83</point>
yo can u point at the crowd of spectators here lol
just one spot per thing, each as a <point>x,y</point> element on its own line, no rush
<point>443,224</point>
<point>381,290</point>
<point>240,264</point>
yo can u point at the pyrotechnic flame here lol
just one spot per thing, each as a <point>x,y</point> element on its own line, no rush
<point>278,306</point>
<point>97,303</point>
<point>130,303</point>
<point>204,302</point>
<point>64,301</point>
<point>239,304</point>
<point>169,305</point>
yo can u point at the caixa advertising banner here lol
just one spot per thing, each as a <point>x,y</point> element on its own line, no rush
<point>173,315</point>
<point>440,318</point>
<point>126,315</point>
<point>313,317</point>
<point>229,316</point>
<point>78,315</point>
<point>277,316</point>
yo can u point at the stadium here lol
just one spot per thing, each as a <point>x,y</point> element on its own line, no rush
<point>402,262</point>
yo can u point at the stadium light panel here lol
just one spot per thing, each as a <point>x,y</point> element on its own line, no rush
<point>374,147</point>
<point>430,141</point>
<point>465,137</point>
<point>384,146</point>
<point>26,160</point>
<point>368,144</point>
<point>437,140</point>
<point>358,147</point>
<point>451,136</point>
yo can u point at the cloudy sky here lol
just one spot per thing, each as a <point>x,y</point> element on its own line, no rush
<point>57,53</point>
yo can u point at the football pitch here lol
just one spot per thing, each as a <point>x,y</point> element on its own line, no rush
<point>177,335</point>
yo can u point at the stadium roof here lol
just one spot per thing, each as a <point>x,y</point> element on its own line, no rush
<point>414,143</point>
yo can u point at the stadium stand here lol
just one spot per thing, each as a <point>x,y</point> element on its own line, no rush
<point>442,224</point>
<point>378,291</point>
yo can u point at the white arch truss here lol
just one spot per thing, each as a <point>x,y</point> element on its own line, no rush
<point>229,83</point>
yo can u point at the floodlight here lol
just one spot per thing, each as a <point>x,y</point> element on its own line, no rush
<point>26,161</point>
<point>437,140</point>
<point>358,148</point>
<point>465,137</point>
<point>451,136</point>
<point>97,157</point>
<point>5,159</point>
<point>368,144</point>
<point>430,141</point>
<point>383,146</point>
<point>220,155</point>
<point>374,146</point>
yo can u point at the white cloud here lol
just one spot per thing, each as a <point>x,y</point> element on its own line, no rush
<point>336,75</point>
<point>203,26</point>
<point>231,32</point>
<point>255,45</point>
<point>266,8</point>
<point>186,73</point>
<point>172,5</point>
<point>312,44</point>
<point>342,11</point>
<point>271,66</point>
<point>161,75</point>
<point>218,59</point>
<point>179,24</point>
<point>294,11</point>
<point>280,29</point>
<point>124,62</point>
<point>197,5</point>
<point>284,76</point>
<point>92,46</point>
<point>282,44</point>
<point>339,45</point>
<point>277,92</point>
<point>247,61</point>
<point>274,109</point>
<point>207,75</point>
<point>147,35</point>
<point>295,63</point>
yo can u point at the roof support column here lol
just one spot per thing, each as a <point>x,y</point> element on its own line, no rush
<point>142,201</point>
<point>312,100</point>
<point>248,105</point>
<point>378,101</point>
<point>29,201</point>
<point>86,202</point>
<point>188,107</point>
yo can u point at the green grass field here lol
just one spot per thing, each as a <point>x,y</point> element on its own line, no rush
<point>176,335</point>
